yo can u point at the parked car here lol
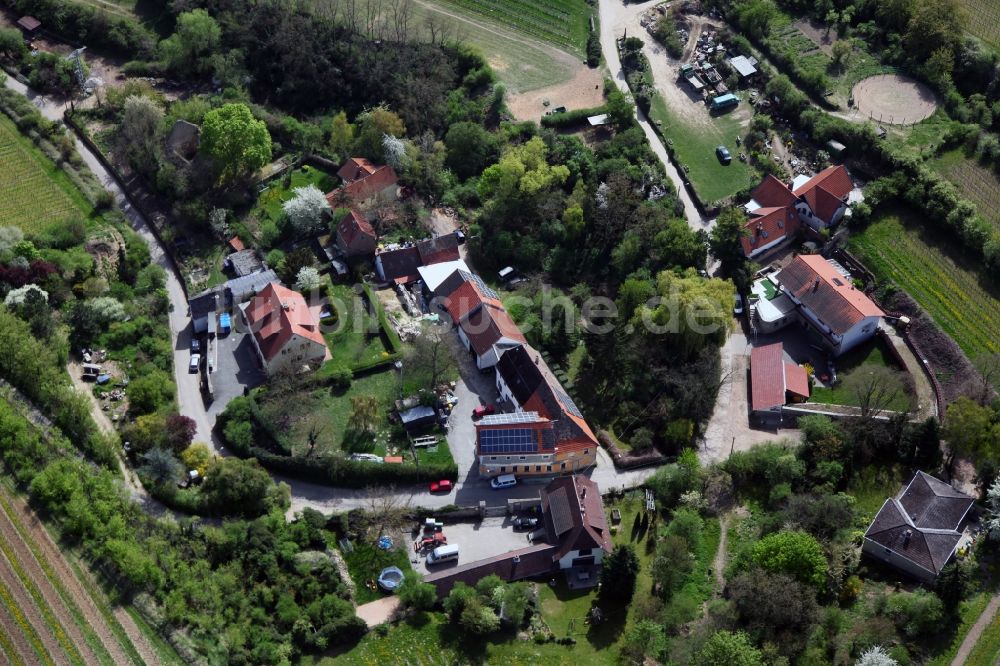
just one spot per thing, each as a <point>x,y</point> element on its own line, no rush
<point>723,154</point>
<point>195,345</point>
<point>738,305</point>
<point>460,236</point>
<point>442,486</point>
<point>483,410</point>
<point>525,523</point>
<point>195,363</point>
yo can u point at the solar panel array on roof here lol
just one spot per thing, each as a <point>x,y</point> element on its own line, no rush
<point>483,288</point>
<point>568,403</point>
<point>507,440</point>
<point>512,417</point>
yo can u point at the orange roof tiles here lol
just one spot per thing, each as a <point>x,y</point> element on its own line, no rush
<point>796,380</point>
<point>353,226</point>
<point>830,295</point>
<point>834,180</point>
<point>356,168</point>
<point>773,193</point>
<point>768,225</point>
<point>276,315</point>
<point>767,377</point>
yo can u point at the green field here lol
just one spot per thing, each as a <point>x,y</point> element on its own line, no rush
<point>562,23</point>
<point>977,183</point>
<point>34,193</point>
<point>984,21</point>
<point>695,149</point>
<point>897,246</point>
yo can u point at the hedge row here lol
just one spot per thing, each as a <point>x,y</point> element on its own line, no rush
<point>241,433</point>
<point>83,24</point>
<point>628,460</point>
<point>568,119</point>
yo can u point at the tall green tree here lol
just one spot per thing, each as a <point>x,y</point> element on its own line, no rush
<point>731,649</point>
<point>239,143</point>
<point>618,574</point>
<point>797,554</point>
<point>195,38</point>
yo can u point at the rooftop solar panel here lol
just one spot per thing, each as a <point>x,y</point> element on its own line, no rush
<point>507,440</point>
<point>513,417</point>
<point>483,288</point>
<point>569,404</point>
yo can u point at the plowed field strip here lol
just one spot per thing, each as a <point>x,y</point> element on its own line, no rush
<point>74,638</point>
<point>100,621</point>
<point>30,618</point>
<point>16,646</point>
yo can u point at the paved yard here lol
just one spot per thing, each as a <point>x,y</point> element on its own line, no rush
<point>236,369</point>
<point>476,541</point>
<point>378,612</point>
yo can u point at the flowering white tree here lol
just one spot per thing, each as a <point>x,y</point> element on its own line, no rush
<point>107,309</point>
<point>9,237</point>
<point>305,209</point>
<point>17,296</point>
<point>875,656</point>
<point>992,522</point>
<point>307,279</point>
<point>394,151</point>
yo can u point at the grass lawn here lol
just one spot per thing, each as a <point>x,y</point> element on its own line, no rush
<point>270,200</point>
<point>977,183</point>
<point>871,486</point>
<point>34,193</point>
<point>926,264</point>
<point>562,23</point>
<point>872,354</point>
<point>356,339</point>
<point>695,149</point>
<point>922,139</point>
<point>521,61</point>
<point>366,562</point>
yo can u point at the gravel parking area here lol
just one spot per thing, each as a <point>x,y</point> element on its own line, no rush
<point>476,541</point>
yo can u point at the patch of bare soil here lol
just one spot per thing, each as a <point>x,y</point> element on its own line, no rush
<point>582,92</point>
<point>818,34</point>
<point>76,590</point>
<point>894,99</point>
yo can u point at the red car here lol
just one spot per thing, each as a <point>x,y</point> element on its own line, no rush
<point>482,410</point>
<point>442,486</point>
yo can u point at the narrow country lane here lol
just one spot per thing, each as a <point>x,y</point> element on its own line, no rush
<point>617,19</point>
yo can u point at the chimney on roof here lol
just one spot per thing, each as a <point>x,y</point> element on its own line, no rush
<point>906,537</point>
<point>816,284</point>
<point>760,228</point>
<point>536,359</point>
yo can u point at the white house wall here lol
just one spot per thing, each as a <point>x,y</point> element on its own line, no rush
<point>566,561</point>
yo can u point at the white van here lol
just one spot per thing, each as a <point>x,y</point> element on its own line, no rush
<point>504,481</point>
<point>443,554</point>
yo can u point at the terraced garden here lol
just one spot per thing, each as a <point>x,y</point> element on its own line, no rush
<point>34,193</point>
<point>899,247</point>
<point>977,183</point>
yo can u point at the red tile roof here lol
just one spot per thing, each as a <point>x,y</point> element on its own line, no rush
<point>465,299</point>
<point>530,562</point>
<point>573,513</point>
<point>767,377</point>
<point>359,191</point>
<point>831,296</point>
<point>356,168</point>
<point>236,245</point>
<point>29,23</point>
<point>276,315</point>
<point>767,225</point>
<point>796,380</point>
<point>487,326</point>
<point>824,205</point>
<point>772,193</point>
<point>356,231</point>
<point>834,180</point>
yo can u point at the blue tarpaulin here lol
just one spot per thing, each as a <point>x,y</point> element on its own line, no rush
<point>103,379</point>
<point>224,322</point>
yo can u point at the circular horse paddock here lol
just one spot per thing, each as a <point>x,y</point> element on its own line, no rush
<point>893,99</point>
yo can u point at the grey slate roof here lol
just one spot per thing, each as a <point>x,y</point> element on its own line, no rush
<point>245,262</point>
<point>922,523</point>
<point>242,288</point>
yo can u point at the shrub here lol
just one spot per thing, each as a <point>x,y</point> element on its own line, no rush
<point>796,553</point>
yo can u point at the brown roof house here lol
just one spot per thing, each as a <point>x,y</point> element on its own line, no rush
<point>286,336</point>
<point>355,235</point>
<point>836,313</point>
<point>400,265</point>
<point>573,539</point>
<point>919,530</point>
<point>774,382</point>
<point>365,184</point>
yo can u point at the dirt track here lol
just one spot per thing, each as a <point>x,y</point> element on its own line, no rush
<point>70,583</point>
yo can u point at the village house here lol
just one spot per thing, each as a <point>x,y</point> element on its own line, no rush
<point>526,385</point>
<point>835,313</point>
<point>776,210</point>
<point>365,185</point>
<point>572,541</point>
<point>401,265</point>
<point>919,530</point>
<point>774,382</point>
<point>356,236</point>
<point>285,334</point>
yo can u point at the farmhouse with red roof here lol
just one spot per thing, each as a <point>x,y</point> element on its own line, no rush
<point>286,336</point>
<point>777,210</point>
<point>365,184</point>
<point>355,235</point>
<point>775,382</point>
<point>837,315</point>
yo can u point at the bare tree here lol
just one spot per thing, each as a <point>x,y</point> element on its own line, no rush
<point>401,11</point>
<point>385,510</point>
<point>875,390</point>
<point>373,12</point>
<point>988,381</point>
<point>430,357</point>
